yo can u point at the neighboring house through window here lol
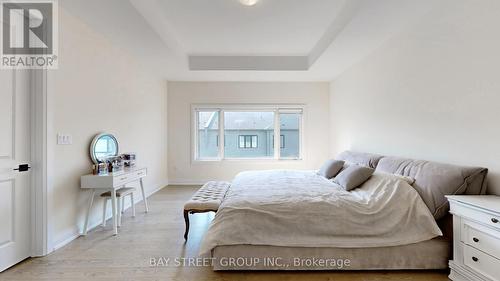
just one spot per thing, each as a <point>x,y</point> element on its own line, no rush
<point>248,132</point>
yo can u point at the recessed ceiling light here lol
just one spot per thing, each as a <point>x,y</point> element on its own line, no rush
<point>249,2</point>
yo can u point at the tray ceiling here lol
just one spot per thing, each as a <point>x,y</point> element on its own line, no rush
<point>274,40</point>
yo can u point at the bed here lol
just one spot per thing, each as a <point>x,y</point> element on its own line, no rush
<point>297,220</point>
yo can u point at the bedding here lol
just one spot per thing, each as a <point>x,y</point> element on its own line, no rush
<point>429,254</point>
<point>302,209</point>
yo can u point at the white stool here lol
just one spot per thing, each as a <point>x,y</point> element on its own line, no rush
<point>120,194</point>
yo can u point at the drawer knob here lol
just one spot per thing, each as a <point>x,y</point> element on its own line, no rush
<point>494,220</point>
<point>475,259</point>
<point>123,178</point>
<point>475,239</point>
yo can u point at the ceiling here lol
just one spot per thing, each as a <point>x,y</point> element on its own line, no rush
<point>275,40</point>
<point>225,27</point>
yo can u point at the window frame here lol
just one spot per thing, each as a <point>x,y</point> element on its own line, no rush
<point>222,108</point>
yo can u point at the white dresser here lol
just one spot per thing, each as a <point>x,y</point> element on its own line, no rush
<point>476,237</point>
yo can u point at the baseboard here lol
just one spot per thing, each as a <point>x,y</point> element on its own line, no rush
<point>160,187</point>
<point>65,242</point>
<point>58,245</point>
<point>187,182</point>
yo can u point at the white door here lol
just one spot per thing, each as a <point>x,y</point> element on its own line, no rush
<point>14,150</point>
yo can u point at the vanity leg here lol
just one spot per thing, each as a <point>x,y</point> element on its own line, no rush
<point>113,207</point>
<point>144,196</point>
<point>119,211</point>
<point>91,200</point>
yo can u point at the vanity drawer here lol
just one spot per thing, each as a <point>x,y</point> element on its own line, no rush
<point>125,178</point>
<point>483,239</point>
<point>122,179</point>
<point>140,173</point>
<point>482,263</point>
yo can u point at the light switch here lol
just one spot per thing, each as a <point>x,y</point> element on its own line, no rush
<point>64,139</point>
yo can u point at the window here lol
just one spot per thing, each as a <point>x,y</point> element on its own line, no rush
<point>208,134</point>
<point>290,128</point>
<point>247,132</point>
<point>248,141</point>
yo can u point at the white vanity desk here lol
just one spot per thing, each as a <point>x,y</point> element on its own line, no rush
<point>112,182</point>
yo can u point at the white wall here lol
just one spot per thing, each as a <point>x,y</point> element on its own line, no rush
<point>100,87</point>
<point>431,93</point>
<point>181,95</point>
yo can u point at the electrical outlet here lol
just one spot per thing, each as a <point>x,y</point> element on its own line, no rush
<point>64,139</point>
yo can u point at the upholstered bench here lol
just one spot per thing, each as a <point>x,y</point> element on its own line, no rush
<point>207,199</point>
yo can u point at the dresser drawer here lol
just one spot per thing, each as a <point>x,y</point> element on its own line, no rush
<point>482,238</point>
<point>482,263</point>
<point>476,215</point>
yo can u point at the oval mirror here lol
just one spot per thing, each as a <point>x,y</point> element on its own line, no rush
<point>103,146</point>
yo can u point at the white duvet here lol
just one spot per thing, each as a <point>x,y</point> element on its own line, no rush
<point>301,209</point>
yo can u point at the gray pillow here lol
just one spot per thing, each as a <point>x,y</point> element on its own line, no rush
<point>353,176</point>
<point>331,168</point>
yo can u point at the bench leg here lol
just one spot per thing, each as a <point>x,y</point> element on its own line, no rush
<point>186,219</point>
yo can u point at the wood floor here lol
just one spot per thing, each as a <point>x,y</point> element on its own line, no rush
<point>102,256</point>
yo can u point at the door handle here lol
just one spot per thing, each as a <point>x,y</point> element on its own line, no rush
<point>22,168</point>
